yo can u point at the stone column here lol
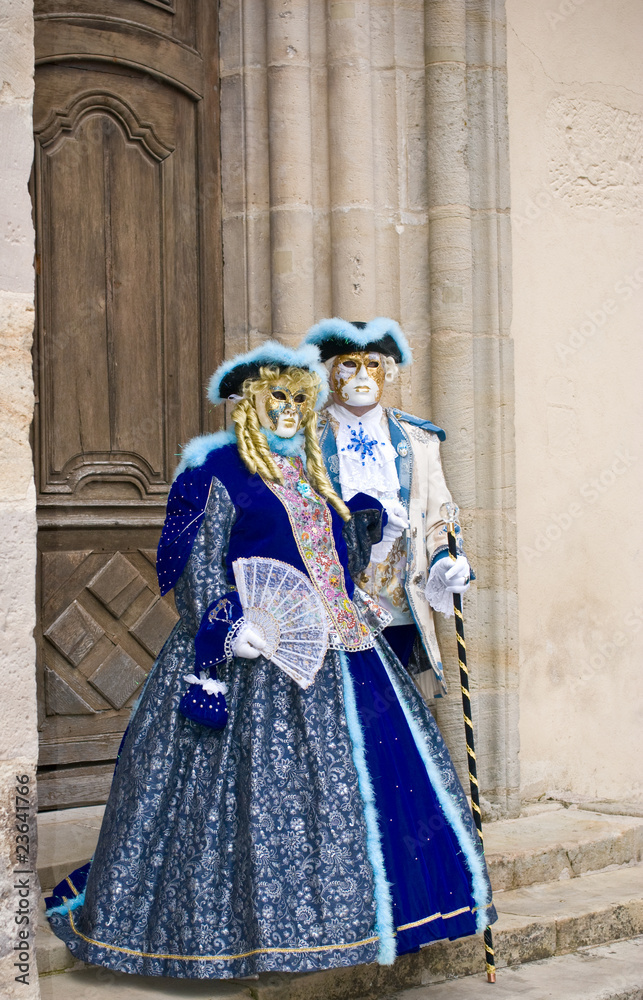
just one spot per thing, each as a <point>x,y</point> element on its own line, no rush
<point>365,173</point>
<point>245,174</point>
<point>274,158</point>
<point>378,176</point>
<point>350,124</point>
<point>290,159</point>
<point>18,733</point>
<point>472,362</point>
<point>493,360</point>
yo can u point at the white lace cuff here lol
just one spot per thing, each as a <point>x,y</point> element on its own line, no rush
<point>209,684</point>
<point>437,595</point>
<point>230,639</point>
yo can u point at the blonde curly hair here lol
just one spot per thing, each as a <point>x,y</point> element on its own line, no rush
<point>253,444</point>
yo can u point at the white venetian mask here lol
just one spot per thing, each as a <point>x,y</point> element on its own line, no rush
<point>282,411</point>
<point>358,378</point>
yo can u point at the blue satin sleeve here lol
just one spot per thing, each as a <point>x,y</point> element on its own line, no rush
<point>362,501</point>
<point>185,512</point>
<point>364,530</point>
<point>209,642</point>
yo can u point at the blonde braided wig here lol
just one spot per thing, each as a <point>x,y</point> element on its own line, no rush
<point>253,444</point>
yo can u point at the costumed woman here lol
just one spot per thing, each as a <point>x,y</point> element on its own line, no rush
<point>323,823</point>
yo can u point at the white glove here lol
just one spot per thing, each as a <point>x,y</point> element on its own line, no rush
<point>455,576</point>
<point>397,523</point>
<point>447,577</point>
<point>248,643</point>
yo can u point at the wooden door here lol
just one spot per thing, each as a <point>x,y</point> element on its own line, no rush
<point>127,210</point>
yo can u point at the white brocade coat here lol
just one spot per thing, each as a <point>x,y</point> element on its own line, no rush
<point>423,490</point>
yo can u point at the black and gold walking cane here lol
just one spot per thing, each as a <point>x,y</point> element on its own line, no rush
<point>449,512</point>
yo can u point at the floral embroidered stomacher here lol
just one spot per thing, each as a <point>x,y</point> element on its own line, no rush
<point>311,525</point>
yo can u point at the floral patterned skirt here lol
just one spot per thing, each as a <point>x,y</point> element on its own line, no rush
<point>320,828</point>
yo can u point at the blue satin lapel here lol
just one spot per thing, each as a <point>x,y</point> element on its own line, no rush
<point>328,447</point>
<point>404,457</point>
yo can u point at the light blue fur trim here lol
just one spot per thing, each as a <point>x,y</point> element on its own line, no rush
<point>374,330</point>
<point>195,452</point>
<point>479,888</point>
<point>71,904</point>
<point>383,903</point>
<point>272,352</point>
<point>286,446</point>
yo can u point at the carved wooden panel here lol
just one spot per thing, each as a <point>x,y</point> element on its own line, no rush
<point>102,350</point>
<point>128,328</point>
<point>103,624</point>
<point>107,356</point>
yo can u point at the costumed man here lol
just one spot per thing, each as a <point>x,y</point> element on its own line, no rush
<point>394,457</point>
<point>283,799</point>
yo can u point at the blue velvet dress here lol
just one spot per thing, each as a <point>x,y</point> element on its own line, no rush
<point>321,827</point>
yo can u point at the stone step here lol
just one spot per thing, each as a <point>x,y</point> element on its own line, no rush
<point>66,840</point>
<point>609,972</point>
<point>539,847</point>
<point>92,983</point>
<point>559,843</point>
<point>535,922</point>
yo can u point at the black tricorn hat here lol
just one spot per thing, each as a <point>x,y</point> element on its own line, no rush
<point>339,336</point>
<point>230,376</point>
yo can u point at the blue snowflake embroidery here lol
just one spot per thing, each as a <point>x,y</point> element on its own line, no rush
<point>362,444</point>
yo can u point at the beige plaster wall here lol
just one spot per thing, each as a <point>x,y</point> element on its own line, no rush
<point>575,79</point>
<point>18,736</point>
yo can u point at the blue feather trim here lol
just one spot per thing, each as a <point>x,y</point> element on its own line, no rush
<point>373,331</point>
<point>384,925</point>
<point>472,858</point>
<point>70,904</point>
<point>286,446</point>
<point>272,352</point>
<point>195,452</point>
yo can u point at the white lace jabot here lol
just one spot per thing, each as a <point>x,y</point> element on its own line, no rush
<point>366,455</point>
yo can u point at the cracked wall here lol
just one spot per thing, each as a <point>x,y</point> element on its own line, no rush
<point>595,155</point>
<point>576,163</point>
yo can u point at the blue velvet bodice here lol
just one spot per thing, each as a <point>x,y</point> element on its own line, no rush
<point>261,527</point>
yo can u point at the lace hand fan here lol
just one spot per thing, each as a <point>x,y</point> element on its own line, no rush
<point>284,607</point>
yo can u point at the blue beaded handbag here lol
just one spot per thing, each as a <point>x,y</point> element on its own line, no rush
<point>204,701</point>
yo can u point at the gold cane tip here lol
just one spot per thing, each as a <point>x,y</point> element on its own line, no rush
<point>491,977</point>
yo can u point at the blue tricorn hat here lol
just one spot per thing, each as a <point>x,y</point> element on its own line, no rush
<point>230,376</point>
<point>381,335</point>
